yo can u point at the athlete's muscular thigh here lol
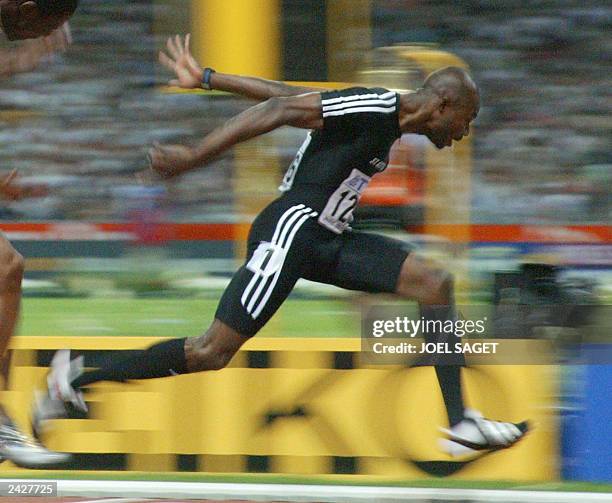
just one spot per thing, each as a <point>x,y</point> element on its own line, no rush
<point>359,261</point>
<point>7,251</point>
<point>11,263</point>
<point>279,248</point>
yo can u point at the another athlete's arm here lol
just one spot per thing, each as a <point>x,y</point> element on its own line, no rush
<point>29,53</point>
<point>10,190</point>
<point>302,111</point>
<point>189,75</point>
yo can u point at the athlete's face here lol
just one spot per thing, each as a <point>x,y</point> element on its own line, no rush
<point>451,122</point>
<point>21,20</point>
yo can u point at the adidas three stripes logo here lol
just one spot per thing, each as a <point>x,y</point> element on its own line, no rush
<point>260,288</point>
<point>359,103</point>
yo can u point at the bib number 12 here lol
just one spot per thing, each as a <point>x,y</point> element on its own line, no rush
<point>346,204</point>
<point>338,211</point>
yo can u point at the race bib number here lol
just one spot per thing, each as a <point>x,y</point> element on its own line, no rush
<point>338,213</point>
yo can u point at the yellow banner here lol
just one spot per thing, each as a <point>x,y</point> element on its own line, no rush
<point>302,414</point>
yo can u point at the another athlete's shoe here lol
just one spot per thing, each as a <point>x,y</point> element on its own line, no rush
<point>26,452</point>
<point>60,396</point>
<point>476,433</point>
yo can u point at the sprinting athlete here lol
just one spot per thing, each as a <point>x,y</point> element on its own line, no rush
<point>48,21</point>
<point>23,19</point>
<point>306,232</point>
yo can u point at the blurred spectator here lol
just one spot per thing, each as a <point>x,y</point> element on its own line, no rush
<point>541,141</point>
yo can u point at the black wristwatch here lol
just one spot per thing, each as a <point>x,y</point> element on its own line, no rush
<point>206,78</point>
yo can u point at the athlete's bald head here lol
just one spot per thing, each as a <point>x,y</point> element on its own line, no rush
<point>454,84</point>
<point>456,102</point>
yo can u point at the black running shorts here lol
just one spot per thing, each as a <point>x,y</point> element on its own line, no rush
<point>285,244</point>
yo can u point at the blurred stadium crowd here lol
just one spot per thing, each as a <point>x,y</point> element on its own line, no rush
<point>541,146</point>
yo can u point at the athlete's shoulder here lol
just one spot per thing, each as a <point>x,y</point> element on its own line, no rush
<point>359,104</point>
<point>355,91</point>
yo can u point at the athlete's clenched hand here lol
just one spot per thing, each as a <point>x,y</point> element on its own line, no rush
<point>168,161</point>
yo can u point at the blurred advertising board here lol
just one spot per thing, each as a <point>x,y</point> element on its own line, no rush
<point>295,406</point>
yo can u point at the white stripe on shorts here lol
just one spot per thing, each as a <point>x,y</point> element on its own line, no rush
<point>285,224</point>
<point>279,227</point>
<point>286,247</point>
<point>286,228</point>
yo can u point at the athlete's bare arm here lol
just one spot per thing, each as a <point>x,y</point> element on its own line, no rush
<point>25,57</point>
<point>30,53</point>
<point>12,190</point>
<point>303,111</point>
<point>256,88</point>
<point>189,75</point>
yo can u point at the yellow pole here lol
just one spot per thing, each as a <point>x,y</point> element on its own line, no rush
<point>349,37</point>
<point>238,36</point>
<point>241,37</point>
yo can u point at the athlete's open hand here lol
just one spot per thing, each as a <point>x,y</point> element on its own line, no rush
<point>12,191</point>
<point>180,61</point>
<point>168,161</point>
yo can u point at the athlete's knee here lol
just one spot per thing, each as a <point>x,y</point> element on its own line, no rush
<point>217,359</point>
<point>205,353</point>
<point>425,282</point>
<point>437,286</point>
<point>214,349</point>
<point>440,284</point>
<point>12,266</point>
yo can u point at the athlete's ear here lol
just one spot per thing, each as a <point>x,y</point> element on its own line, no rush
<point>28,12</point>
<point>423,113</point>
<point>443,104</point>
<point>435,104</point>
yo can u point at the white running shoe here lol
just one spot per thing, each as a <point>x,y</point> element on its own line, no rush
<point>26,452</point>
<point>59,381</point>
<point>60,395</point>
<point>476,433</point>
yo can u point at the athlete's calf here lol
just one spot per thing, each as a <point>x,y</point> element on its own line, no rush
<point>433,288</point>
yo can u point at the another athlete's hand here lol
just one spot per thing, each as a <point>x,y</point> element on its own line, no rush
<point>180,61</point>
<point>8,189</point>
<point>168,161</point>
<point>11,191</point>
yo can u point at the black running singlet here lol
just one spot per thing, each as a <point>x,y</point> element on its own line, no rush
<point>335,164</point>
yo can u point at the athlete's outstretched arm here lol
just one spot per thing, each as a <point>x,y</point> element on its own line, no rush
<point>302,111</point>
<point>189,75</point>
